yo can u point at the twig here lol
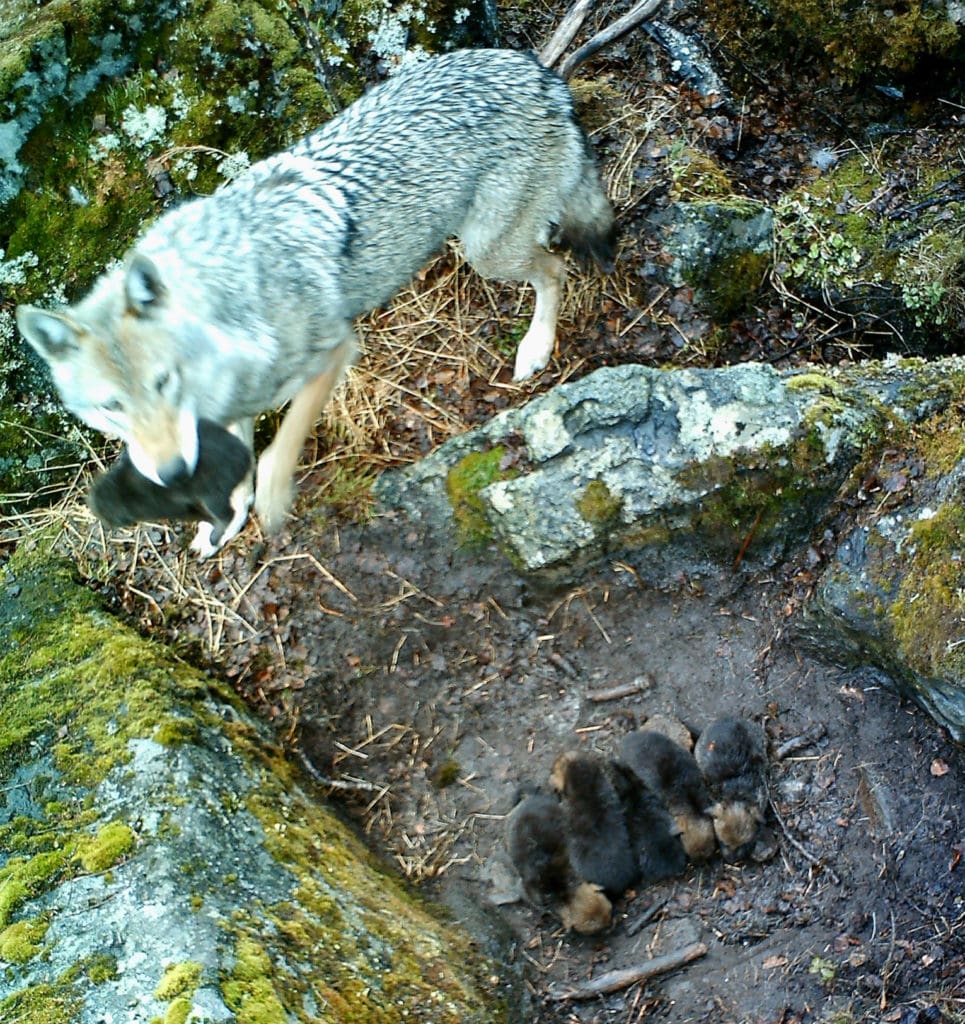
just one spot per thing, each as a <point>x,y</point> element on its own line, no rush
<point>637,14</point>
<point>565,32</point>
<point>810,735</point>
<point>647,916</point>
<point>748,539</point>
<point>806,854</point>
<point>614,981</point>
<point>614,692</point>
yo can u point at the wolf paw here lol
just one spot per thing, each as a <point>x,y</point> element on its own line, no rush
<point>533,354</point>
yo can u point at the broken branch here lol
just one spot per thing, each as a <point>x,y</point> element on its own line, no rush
<point>638,13</point>
<point>614,981</point>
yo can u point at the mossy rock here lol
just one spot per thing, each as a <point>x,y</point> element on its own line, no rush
<point>896,270</point>
<point>234,893</point>
<point>871,39</point>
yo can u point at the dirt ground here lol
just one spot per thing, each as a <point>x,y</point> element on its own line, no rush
<point>426,683</point>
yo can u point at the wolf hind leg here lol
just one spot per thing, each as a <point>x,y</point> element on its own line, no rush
<point>547,275</point>
<point>276,467</point>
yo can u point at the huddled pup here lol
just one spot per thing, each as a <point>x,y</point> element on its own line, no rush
<point>731,755</point>
<point>670,771</point>
<point>538,848</point>
<point>596,827</point>
<point>654,835</point>
<point>123,497</point>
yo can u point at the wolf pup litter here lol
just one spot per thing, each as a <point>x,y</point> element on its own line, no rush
<point>235,303</point>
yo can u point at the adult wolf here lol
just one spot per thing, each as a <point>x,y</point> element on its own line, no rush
<point>235,303</point>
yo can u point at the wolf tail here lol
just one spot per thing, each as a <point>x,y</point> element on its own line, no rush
<point>588,228</point>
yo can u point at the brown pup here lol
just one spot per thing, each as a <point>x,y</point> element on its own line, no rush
<point>672,773</point>
<point>123,497</point>
<point>599,842</point>
<point>538,849</point>
<point>731,755</point>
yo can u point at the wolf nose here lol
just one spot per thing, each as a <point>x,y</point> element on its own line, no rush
<point>174,472</point>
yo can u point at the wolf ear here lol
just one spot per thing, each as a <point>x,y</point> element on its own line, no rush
<point>143,287</point>
<point>53,335</point>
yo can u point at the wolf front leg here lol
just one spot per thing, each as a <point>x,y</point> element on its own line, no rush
<point>546,275</point>
<point>273,490</point>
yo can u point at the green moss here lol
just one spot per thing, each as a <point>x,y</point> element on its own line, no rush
<point>102,968</point>
<point>178,1011</point>
<point>853,40</point>
<point>22,940</point>
<point>56,1002</point>
<point>598,506</point>
<point>446,774</point>
<point>23,877</point>
<point>249,990</point>
<point>178,979</point>
<point>105,849</point>
<point>464,481</point>
<point>930,605</point>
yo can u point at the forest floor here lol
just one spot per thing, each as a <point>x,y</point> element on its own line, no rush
<point>428,682</point>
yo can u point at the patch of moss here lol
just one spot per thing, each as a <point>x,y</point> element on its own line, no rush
<point>23,877</point>
<point>22,940</point>
<point>178,979</point>
<point>105,849</point>
<point>56,1002</point>
<point>249,990</point>
<point>853,40</point>
<point>599,506</point>
<point>464,481</point>
<point>928,615</point>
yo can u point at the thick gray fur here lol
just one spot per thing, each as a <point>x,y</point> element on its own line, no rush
<point>235,303</point>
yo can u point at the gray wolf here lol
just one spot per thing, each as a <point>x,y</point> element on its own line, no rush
<point>123,496</point>
<point>238,302</point>
<point>538,848</point>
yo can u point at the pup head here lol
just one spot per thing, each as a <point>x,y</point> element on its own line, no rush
<point>697,835</point>
<point>736,824</point>
<point>115,368</point>
<point>587,910</point>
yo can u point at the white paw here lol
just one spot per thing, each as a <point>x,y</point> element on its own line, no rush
<point>202,545</point>
<point>533,353</point>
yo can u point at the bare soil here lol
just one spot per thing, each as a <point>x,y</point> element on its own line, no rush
<point>425,683</point>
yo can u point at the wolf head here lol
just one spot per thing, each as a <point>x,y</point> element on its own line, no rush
<point>115,369</point>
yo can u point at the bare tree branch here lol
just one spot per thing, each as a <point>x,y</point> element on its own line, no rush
<point>637,14</point>
<point>565,32</point>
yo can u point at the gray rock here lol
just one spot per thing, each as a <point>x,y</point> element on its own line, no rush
<point>637,459</point>
<point>685,471</point>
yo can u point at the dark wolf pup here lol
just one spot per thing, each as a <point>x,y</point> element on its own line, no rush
<point>238,302</point>
<point>123,497</point>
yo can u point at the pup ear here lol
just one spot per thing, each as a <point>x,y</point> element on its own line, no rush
<point>143,287</point>
<point>53,335</point>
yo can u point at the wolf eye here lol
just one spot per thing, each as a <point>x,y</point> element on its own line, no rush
<point>114,405</point>
<point>163,379</point>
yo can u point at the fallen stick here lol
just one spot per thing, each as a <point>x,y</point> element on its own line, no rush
<point>565,32</point>
<point>637,14</point>
<point>805,853</point>
<point>614,692</point>
<point>810,735</point>
<point>614,981</point>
